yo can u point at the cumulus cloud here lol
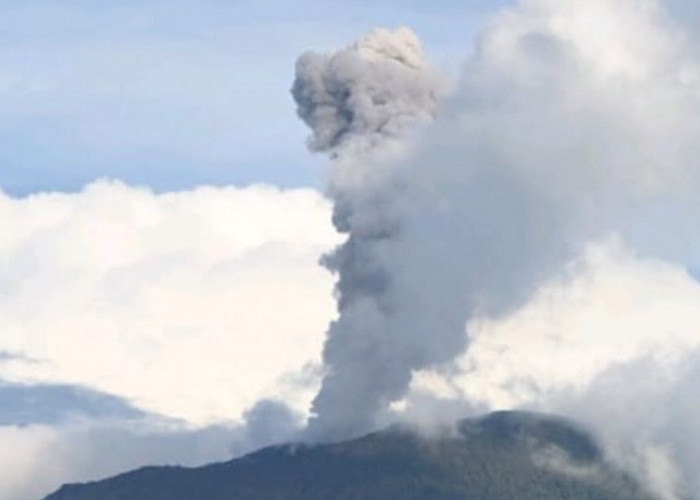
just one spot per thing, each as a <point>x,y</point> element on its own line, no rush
<point>611,308</point>
<point>140,328</point>
<point>613,344</point>
<point>192,304</point>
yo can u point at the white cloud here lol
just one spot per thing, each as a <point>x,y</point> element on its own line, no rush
<point>613,345</point>
<point>612,308</point>
<point>193,304</point>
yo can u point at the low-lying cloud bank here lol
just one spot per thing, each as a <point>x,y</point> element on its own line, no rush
<point>39,458</point>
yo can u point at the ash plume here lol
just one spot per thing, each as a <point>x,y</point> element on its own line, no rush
<point>542,148</point>
<point>365,94</point>
<point>359,102</point>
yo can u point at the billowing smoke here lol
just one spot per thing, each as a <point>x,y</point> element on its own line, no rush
<point>557,134</point>
<point>365,94</point>
<point>360,102</point>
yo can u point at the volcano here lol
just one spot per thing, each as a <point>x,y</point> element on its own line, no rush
<point>504,455</point>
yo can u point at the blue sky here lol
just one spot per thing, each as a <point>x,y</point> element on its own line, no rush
<point>172,94</point>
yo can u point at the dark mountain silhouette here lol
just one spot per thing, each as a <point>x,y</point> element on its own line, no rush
<point>505,455</point>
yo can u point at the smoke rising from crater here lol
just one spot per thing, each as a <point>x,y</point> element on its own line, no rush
<point>556,135</point>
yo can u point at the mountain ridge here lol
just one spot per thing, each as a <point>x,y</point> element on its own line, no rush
<point>503,455</point>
